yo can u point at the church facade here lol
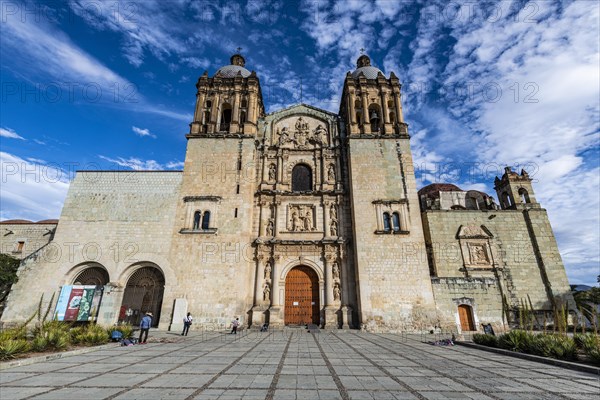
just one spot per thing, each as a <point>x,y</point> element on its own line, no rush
<point>300,216</point>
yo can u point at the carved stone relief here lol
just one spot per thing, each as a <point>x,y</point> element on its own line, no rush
<point>302,136</point>
<point>301,218</point>
<point>336,292</point>
<point>478,253</point>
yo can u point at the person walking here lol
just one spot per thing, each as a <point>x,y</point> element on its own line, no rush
<point>187,322</point>
<point>145,324</point>
<point>234,325</point>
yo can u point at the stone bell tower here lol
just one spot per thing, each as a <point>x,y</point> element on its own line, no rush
<point>515,190</point>
<point>214,216</point>
<point>389,248</point>
<point>229,102</point>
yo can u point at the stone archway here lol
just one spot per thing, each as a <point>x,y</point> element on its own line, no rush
<point>94,275</point>
<point>302,297</point>
<point>143,293</point>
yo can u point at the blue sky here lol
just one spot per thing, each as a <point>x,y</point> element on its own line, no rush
<point>110,85</point>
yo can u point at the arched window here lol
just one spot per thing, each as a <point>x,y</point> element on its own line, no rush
<point>242,117</point>
<point>506,203</point>
<point>396,221</point>
<point>197,216</point>
<point>387,224</point>
<point>393,117</point>
<point>374,118</point>
<point>358,119</point>
<point>524,196</point>
<point>225,118</point>
<point>357,104</point>
<point>301,178</point>
<point>244,103</point>
<point>208,104</point>
<point>206,220</point>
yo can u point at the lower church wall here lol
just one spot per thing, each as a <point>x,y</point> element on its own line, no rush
<point>481,294</point>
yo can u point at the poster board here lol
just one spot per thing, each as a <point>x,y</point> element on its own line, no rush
<point>78,303</point>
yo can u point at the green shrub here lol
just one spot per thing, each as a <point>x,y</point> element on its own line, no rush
<point>13,333</point>
<point>485,340</point>
<point>555,346</point>
<point>77,334</point>
<point>516,340</point>
<point>95,334</point>
<point>11,347</point>
<point>590,344</point>
<point>39,343</point>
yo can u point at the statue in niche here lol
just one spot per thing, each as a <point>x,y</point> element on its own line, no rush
<point>272,172</point>
<point>297,225</point>
<point>331,173</point>
<point>308,221</point>
<point>336,292</point>
<point>333,212</point>
<point>270,227</point>
<point>267,292</point>
<point>268,270</point>
<point>333,228</point>
<point>335,268</point>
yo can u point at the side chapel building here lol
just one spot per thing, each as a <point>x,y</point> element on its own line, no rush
<point>294,217</point>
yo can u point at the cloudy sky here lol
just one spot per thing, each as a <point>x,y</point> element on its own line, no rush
<point>110,85</point>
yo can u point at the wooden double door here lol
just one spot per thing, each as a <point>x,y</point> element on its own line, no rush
<point>302,297</point>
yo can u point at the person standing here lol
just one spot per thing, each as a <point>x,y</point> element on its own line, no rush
<point>145,324</point>
<point>234,325</point>
<point>187,322</point>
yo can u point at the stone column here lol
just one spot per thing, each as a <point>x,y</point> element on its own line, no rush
<point>199,107</point>
<point>252,107</point>
<point>326,205</point>
<point>261,222</point>
<point>330,308</point>
<point>235,118</point>
<point>275,317</point>
<point>365,108</point>
<point>351,108</point>
<point>259,308</point>
<point>397,99</point>
<point>386,114</point>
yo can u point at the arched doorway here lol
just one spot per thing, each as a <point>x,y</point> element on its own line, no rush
<point>465,314</point>
<point>143,293</point>
<point>96,276</point>
<point>302,297</point>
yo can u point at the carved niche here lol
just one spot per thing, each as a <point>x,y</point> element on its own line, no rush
<point>475,246</point>
<point>301,218</point>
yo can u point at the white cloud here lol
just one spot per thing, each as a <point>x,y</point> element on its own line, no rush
<point>142,132</point>
<point>31,190</point>
<point>10,134</point>
<point>42,52</point>
<point>141,165</point>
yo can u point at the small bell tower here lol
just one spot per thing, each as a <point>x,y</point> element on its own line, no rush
<point>228,103</point>
<point>371,103</point>
<point>515,190</point>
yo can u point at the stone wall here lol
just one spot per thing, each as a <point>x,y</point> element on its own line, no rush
<point>391,267</point>
<point>118,220</point>
<point>216,266</point>
<point>32,236</point>
<point>512,251</point>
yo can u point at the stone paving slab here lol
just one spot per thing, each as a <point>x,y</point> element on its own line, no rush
<point>294,365</point>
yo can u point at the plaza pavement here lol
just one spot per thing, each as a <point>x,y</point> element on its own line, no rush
<point>293,364</point>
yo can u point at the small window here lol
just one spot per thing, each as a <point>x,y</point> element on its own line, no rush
<point>393,117</point>
<point>243,117</point>
<point>197,216</point>
<point>386,222</point>
<point>237,189</point>
<point>358,118</point>
<point>208,104</point>
<point>396,222</point>
<point>301,178</point>
<point>20,246</point>
<point>357,104</point>
<point>244,103</point>
<point>206,220</point>
<point>235,213</point>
